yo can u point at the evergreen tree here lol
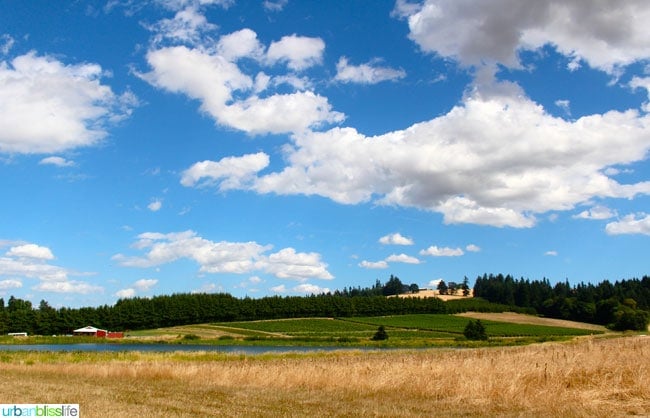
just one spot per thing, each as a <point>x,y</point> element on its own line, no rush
<point>475,330</point>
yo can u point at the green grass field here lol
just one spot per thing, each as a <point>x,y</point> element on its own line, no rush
<point>403,331</point>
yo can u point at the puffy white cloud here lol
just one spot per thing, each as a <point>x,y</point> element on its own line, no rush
<point>155,205</point>
<point>373,264</point>
<point>395,239</point>
<point>280,113</point>
<point>436,251</point>
<point>299,52</point>
<point>224,257</point>
<point>31,261</point>
<point>478,32</point>
<point>496,159</point>
<point>57,161</point>
<point>47,106</point>
<point>551,253</point>
<point>212,79</point>
<point>239,44</point>
<point>31,251</point>
<point>287,264</point>
<point>310,289</point>
<point>141,285</point>
<point>231,172</point>
<point>369,73</point>
<point>597,212</point>
<point>402,258</point>
<point>304,288</point>
<point>125,293</point>
<point>631,224</point>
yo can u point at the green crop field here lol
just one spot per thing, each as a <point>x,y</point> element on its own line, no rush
<point>455,325</point>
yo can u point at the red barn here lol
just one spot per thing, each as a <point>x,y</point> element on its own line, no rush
<point>90,332</point>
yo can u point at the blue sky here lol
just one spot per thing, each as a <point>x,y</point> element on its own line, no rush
<point>295,147</point>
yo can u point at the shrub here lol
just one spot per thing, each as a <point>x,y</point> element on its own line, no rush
<point>475,330</point>
<point>380,334</point>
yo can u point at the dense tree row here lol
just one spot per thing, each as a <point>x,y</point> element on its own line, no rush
<point>182,309</point>
<point>622,305</point>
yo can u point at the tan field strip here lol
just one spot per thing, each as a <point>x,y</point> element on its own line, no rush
<point>589,377</point>
<point>530,319</point>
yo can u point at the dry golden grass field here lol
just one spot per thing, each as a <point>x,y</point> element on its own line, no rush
<point>589,377</point>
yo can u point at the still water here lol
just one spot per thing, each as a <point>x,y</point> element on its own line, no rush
<point>173,347</point>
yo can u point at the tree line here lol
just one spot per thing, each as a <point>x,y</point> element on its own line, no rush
<point>621,305</point>
<point>182,309</point>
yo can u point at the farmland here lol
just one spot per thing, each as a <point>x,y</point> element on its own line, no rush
<point>586,377</point>
<point>419,330</point>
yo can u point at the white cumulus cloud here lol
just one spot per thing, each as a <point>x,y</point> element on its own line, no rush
<point>402,258</point>
<point>47,106</point>
<point>395,239</point>
<point>436,251</point>
<point>223,256</point>
<point>298,52</point>
<point>638,223</point>
<point>476,32</point>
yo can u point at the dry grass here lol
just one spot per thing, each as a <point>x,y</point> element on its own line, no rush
<point>589,377</point>
<point>517,318</point>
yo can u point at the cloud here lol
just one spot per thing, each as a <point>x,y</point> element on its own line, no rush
<point>125,293</point>
<point>551,253</point>
<point>368,73</point>
<point>274,6</point>
<point>155,205</point>
<point>298,52</point>
<point>395,239</point>
<point>47,106</point>
<point>32,251</point>
<point>230,172</point>
<point>6,43</point>
<point>473,248</point>
<point>478,33</point>
<point>597,212</point>
<point>188,26</point>
<point>287,264</point>
<point>304,288</point>
<point>631,224</point>
<point>10,284</point>
<point>31,261</point>
<point>224,257</point>
<point>495,159</point>
<point>442,251</point>
<point>212,79</point>
<point>240,44</point>
<point>57,161</point>
<point>642,83</point>
<point>373,264</point>
<point>145,284</point>
<point>141,285</point>
<point>69,286</point>
<point>402,258</point>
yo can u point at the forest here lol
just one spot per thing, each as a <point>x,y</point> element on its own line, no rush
<point>622,305</point>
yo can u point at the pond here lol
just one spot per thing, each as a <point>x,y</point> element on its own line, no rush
<point>175,347</point>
